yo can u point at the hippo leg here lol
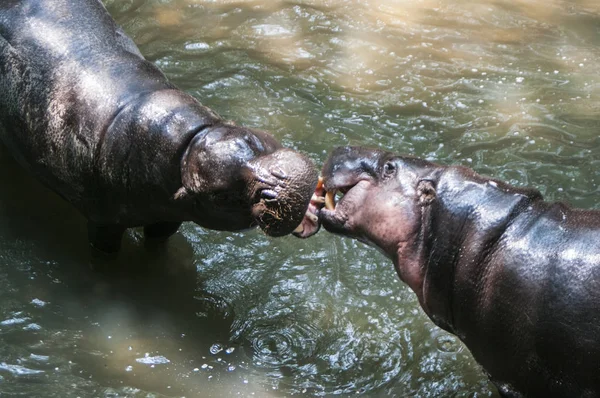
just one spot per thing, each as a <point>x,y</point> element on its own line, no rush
<point>105,238</point>
<point>161,230</point>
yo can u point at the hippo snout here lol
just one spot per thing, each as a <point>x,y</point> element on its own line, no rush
<point>284,182</point>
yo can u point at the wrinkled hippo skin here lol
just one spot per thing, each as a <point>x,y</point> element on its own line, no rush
<point>516,278</point>
<point>83,111</point>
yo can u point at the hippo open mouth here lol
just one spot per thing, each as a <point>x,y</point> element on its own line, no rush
<point>310,224</point>
<point>335,195</point>
<point>328,205</point>
<point>341,201</point>
<point>346,181</point>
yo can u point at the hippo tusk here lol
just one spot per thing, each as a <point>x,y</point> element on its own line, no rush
<point>299,229</point>
<point>319,184</point>
<point>330,200</point>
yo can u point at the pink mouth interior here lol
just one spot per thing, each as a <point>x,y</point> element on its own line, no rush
<point>310,223</point>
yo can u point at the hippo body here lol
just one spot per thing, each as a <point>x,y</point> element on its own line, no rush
<point>92,119</point>
<point>516,278</point>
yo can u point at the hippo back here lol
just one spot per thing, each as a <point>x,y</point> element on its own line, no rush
<point>62,82</point>
<point>518,280</point>
<point>71,82</point>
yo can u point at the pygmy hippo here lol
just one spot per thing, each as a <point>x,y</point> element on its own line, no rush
<point>516,278</point>
<point>82,110</point>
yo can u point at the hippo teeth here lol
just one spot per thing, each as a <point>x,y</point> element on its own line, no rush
<point>317,199</point>
<point>330,200</point>
<point>309,216</point>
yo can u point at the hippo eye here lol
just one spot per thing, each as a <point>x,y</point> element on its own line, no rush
<point>389,169</point>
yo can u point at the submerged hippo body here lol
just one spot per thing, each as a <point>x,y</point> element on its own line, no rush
<point>93,120</point>
<point>516,278</point>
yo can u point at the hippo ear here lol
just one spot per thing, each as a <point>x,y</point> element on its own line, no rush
<point>426,192</point>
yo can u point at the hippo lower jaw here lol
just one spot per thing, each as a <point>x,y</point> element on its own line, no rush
<point>339,203</point>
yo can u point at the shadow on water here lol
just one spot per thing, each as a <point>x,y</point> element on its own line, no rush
<point>98,329</point>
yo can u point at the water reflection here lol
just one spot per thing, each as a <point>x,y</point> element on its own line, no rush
<point>509,88</point>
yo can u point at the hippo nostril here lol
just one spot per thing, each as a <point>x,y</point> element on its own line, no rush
<point>389,169</point>
<point>268,195</point>
<point>279,173</point>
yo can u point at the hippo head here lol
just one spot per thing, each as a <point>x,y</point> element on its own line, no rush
<point>236,178</point>
<point>378,198</point>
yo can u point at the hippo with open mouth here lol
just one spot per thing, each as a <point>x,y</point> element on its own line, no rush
<point>85,113</point>
<point>516,278</point>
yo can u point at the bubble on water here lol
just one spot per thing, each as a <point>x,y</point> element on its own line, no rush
<point>37,302</point>
<point>152,360</point>
<point>229,350</point>
<point>14,321</point>
<point>129,368</point>
<point>447,343</point>
<point>18,370</point>
<point>216,348</point>
<point>197,46</point>
<point>41,358</point>
<point>32,326</point>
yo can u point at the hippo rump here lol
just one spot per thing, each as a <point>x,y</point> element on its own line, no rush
<point>85,113</point>
<point>516,278</point>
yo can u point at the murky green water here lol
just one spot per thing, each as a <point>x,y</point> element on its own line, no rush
<point>510,88</point>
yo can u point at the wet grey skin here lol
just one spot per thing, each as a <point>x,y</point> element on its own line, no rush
<point>84,112</point>
<point>516,278</point>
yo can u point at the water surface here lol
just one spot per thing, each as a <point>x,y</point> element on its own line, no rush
<point>509,88</point>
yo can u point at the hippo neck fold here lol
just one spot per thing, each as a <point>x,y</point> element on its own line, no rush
<point>467,220</point>
<point>147,132</point>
